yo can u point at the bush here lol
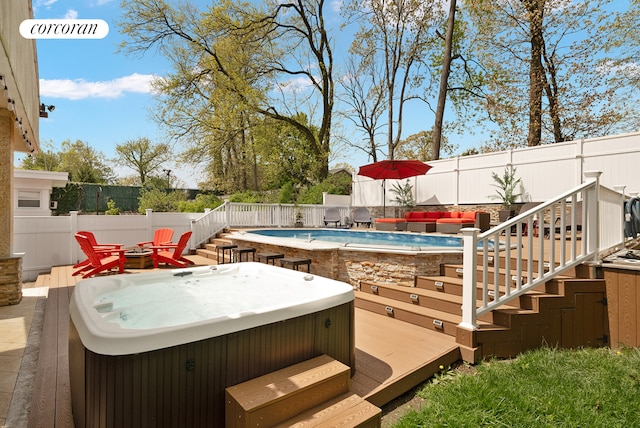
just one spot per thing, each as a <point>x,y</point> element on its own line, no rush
<point>338,184</point>
<point>247,197</point>
<point>198,204</point>
<point>287,194</point>
<point>112,209</point>
<point>159,200</point>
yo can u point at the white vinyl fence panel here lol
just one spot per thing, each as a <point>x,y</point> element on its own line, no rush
<point>545,171</point>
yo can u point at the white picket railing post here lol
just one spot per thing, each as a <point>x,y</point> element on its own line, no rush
<point>469,273</point>
<point>592,211</point>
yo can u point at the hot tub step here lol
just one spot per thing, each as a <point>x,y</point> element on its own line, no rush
<point>347,410</point>
<point>278,396</point>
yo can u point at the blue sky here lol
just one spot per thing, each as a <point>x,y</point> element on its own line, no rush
<point>103,97</point>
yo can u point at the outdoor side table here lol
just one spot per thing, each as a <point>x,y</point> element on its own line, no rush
<point>270,257</point>
<point>137,259</point>
<point>296,262</point>
<point>224,248</point>
<point>236,253</point>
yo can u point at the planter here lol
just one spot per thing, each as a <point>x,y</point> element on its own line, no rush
<point>504,215</point>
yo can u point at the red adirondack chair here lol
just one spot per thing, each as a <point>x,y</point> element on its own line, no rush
<point>160,237</point>
<point>92,240</point>
<point>99,259</point>
<point>172,254</point>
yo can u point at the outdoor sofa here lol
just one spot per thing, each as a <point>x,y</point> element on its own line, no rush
<point>436,221</point>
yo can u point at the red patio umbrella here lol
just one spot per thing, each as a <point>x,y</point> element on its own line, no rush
<point>394,170</point>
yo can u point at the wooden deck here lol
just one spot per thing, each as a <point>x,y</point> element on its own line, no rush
<point>392,356</point>
<point>387,365</point>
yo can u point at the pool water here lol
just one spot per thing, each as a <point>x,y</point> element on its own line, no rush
<point>342,236</point>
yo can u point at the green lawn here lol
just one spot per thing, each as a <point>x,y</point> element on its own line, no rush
<point>541,388</point>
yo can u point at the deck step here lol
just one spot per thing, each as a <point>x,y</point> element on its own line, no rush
<point>437,300</point>
<point>281,395</point>
<point>206,252</point>
<point>347,410</point>
<point>431,319</point>
<point>455,271</point>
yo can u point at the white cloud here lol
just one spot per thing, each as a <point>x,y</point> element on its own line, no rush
<point>79,89</point>
<point>45,3</point>
<point>71,14</point>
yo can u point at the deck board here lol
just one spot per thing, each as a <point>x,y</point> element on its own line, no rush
<point>402,357</point>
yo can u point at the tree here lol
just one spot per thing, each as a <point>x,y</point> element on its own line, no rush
<point>561,45</point>
<point>444,81</point>
<point>250,58</point>
<point>366,99</point>
<point>144,157</point>
<point>420,146</point>
<point>84,164</point>
<point>46,160</point>
<point>397,35</point>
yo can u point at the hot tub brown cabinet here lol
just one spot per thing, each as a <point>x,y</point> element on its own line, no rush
<point>184,385</point>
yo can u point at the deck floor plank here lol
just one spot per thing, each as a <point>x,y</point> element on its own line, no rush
<point>383,360</point>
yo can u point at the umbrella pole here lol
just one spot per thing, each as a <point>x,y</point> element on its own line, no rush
<point>384,198</point>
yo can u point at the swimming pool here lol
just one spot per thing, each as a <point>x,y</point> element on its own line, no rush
<point>413,241</point>
<point>356,256</point>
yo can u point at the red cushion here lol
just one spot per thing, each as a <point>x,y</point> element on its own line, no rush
<point>469,215</point>
<point>455,220</point>
<point>433,215</point>
<point>413,215</point>
<point>390,220</point>
<point>450,214</point>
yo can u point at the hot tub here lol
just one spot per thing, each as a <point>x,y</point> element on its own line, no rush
<point>159,348</point>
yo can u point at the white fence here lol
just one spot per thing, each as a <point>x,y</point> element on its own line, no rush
<point>545,171</point>
<point>49,241</point>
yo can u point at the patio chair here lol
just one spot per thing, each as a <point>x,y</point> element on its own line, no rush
<point>361,215</point>
<point>99,259</point>
<point>526,207</point>
<point>171,254</point>
<point>92,240</point>
<point>332,215</point>
<point>160,237</point>
<point>567,221</point>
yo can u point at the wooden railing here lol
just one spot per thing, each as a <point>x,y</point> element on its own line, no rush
<point>570,229</point>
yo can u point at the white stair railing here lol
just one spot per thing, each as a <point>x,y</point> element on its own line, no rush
<point>561,236</point>
<point>212,222</point>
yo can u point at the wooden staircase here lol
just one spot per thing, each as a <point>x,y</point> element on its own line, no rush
<point>208,250</point>
<point>567,312</point>
<point>313,393</point>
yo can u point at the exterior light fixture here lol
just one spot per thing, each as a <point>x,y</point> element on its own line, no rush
<point>45,110</point>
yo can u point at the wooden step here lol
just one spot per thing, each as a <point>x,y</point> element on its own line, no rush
<point>206,252</point>
<point>278,396</point>
<point>439,301</point>
<point>502,261</point>
<point>424,317</point>
<point>417,296</point>
<point>453,286</point>
<point>456,271</point>
<point>347,410</point>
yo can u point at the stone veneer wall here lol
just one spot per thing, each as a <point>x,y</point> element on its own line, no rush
<point>10,280</point>
<point>352,266</point>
